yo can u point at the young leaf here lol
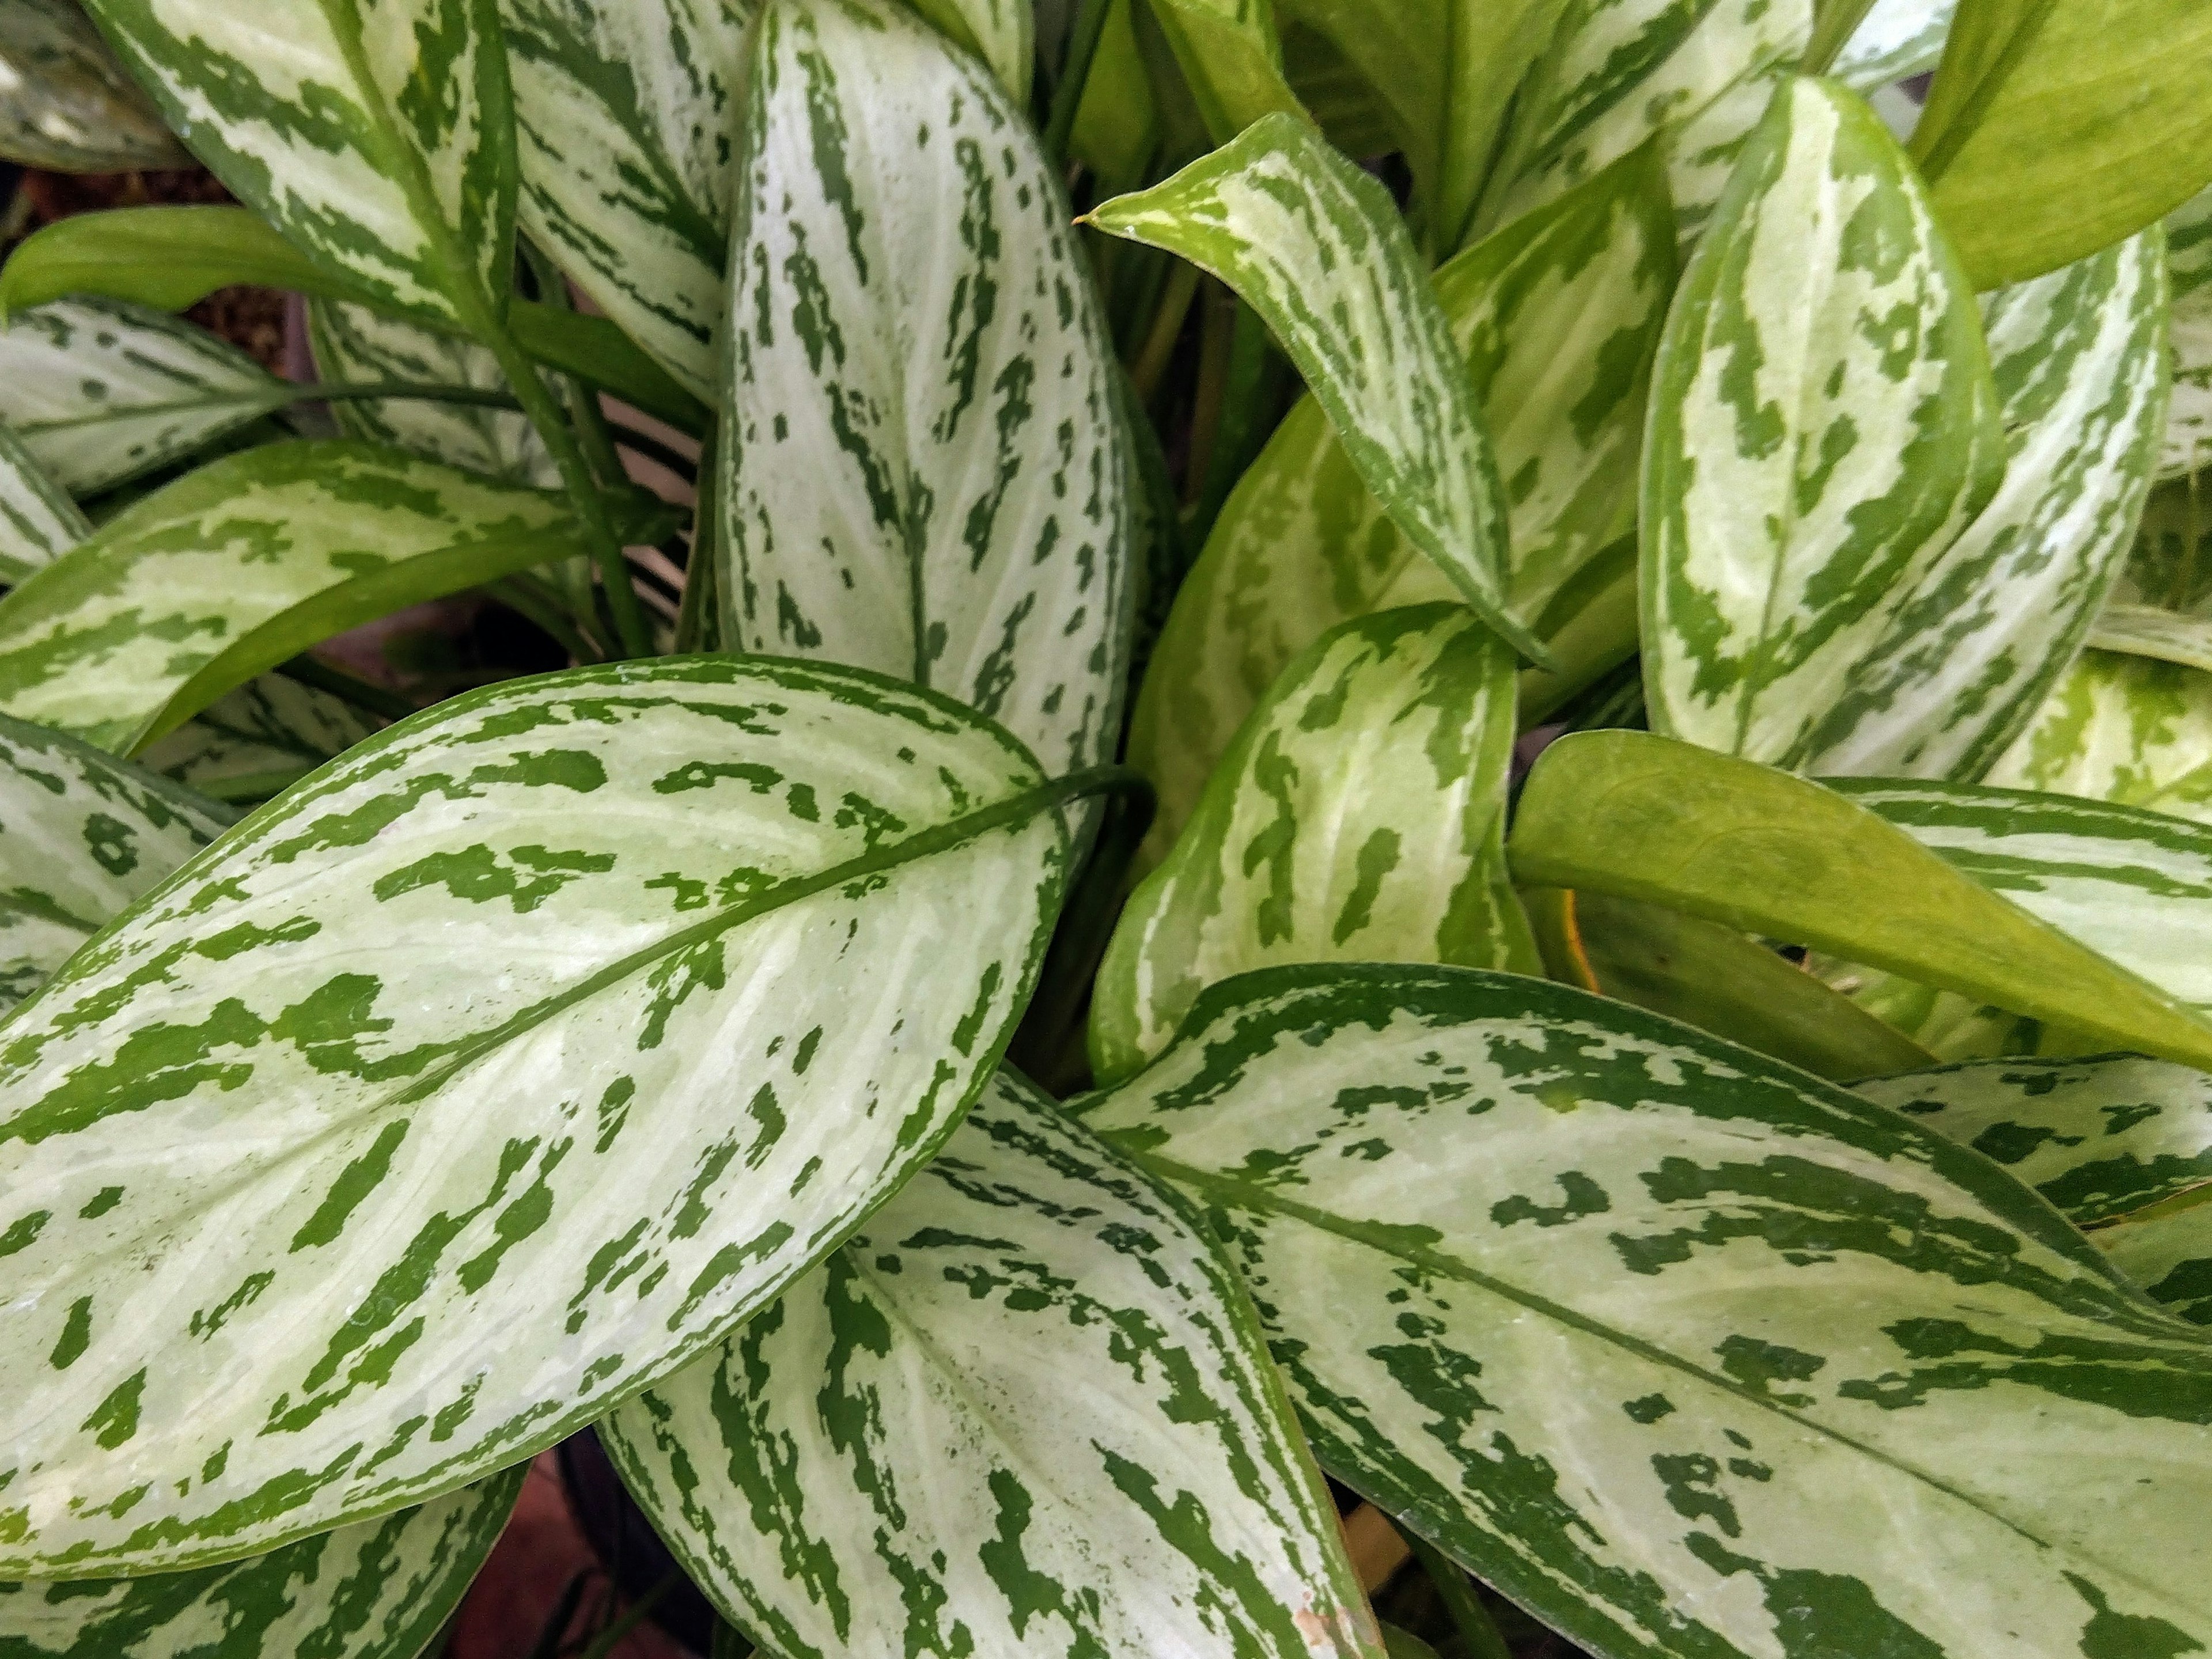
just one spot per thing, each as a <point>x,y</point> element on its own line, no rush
<point>1896,40</point>
<point>39,522</point>
<point>1683,1350</point>
<point>2034,157</point>
<point>271,731</point>
<point>1317,249</point>
<point>100,391</point>
<point>731,943</point>
<point>244,565</point>
<point>623,116</point>
<point>379,1589</point>
<point>83,836</point>
<point>1823,426</point>
<point>1649,818</point>
<point>923,472</point>
<point>379,139</point>
<point>1233,60</point>
<point>1359,816</point>
<point>2123,728</point>
<point>1025,1410</point>
<point>65,106</point>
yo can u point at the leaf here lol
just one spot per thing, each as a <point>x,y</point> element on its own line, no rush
<point>378,140</point>
<point>83,836</point>
<point>922,471</point>
<point>882,1462</point>
<point>38,520</point>
<point>1681,1349</point>
<point>354,346</point>
<point>1231,58</point>
<point>66,105</point>
<point>790,911</point>
<point>1649,818</point>
<point>622,117</point>
<point>2145,630</point>
<point>2188,266</point>
<point>1489,50</point>
<point>242,565</point>
<point>1823,426</point>
<point>1970,652</point>
<point>1897,40</point>
<point>101,390</point>
<point>1397,49</point>
<point>1359,816</point>
<point>271,731</point>
<point>1002,32</point>
<point>1558,316</point>
<point>1714,978</point>
<point>2126,729</point>
<point>381,1589</point>
<point>2053,129</point>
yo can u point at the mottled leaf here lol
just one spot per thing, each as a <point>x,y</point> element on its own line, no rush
<point>244,565</point>
<point>730,943</point>
<point>65,104</point>
<point>2188,445</point>
<point>269,732</point>
<point>1896,40</point>
<point>1025,1410</point>
<point>1685,1350</point>
<point>2147,630</point>
<point>2125,728</point>
<point>922,470</point>
<point>1358,817</point>
<point>1823,426</point>
<point>39,522</point>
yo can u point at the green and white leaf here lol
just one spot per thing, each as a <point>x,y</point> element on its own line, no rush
<point>82,837</point>
<point>1777,856</point>
<point>39,522</point>
<point>1002,32</point>
<point>1317,249</point>
<point>100,391</point>
<point>1896,40</point>
<point>378,1589</point>
<point>623,119</point>
<point>2146,630</point>
<point>377,138</point>
<point>1358,817</point>
<point>1025,1410</point>
<point>1972,650</point>
<point>1823,427</point>
<point>1836,1386</point>
<point>2189,267</point>
<point>1698,75</point>
<point>2123,728</point>
<point>354,344</point>
<point>1558,316</point>
<point>63,103</point>
<point>244,565</point>
<point>269,732</point>
<point>732,942</point>
<point>922,469</point>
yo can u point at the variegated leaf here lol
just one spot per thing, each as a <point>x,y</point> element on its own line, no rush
<point>1685,1351</point>
<point>1025,1410</point>
<point>623,115</point>
<point>1823,426</point>
<point>1896,40</point>
<point>355,346</point>
<point>1698,75</point>
<point>1002,32</point>
<point>923,473</point>
<point>65,104</point>
<point>378,138</point>
<point>101,390</point>
<point>83,836</point>
<point>1558,316</point>
<point>2188,445</point>
<point>39,522</point>
<point>1317,249</point>
<point>1649,818</point>
<point>1972,648</point>
<point>2124,728</point>
<point>2146,630</point>
<point>1358,817</point>
<point>729,944</point>
<point>249,743</point>
<point>244,565</point>
<point>378,1589</point>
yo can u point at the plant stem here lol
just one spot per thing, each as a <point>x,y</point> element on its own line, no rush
<point>1832,29</point>
<point>583,401</point>
<point>1083,37</point>
<point>347,688</point>
<point>1158,349</point>
<point>1477,1630</point>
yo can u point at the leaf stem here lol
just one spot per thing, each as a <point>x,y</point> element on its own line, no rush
<point>1084,35</point>
<point>347,688</point>
<point>1477,1630</point>
<point>1158,349</point>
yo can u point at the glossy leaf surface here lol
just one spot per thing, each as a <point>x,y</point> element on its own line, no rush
<point>730,945</point>
<point>1683,1350</point>
<point>1025,1410</point>
<point>923,473</point>
<point>66,104</point>
<point>39,522</point>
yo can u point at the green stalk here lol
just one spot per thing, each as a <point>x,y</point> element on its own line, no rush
<point>1084,35</point>
<point>1477,1630</point>
<point>1158,349</point>
<point>347,688</point>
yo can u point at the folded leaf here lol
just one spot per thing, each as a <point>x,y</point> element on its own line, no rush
<point>65,105</point>
<point>1648,818</point>
<point>923,473</point>
<point>1317,249</point>
<point>1025,1410</point>
<point>83,836</point>
<point>1823,426</point>
<point>2034,154</point>
<point>381,1589</point>
<point>729,944</point>
<point>100,391</point>
<point>2124,728</point>
<point>1895,41</point>
<point>244,565</point>
<point>1359,816</point>
<point>39,522</point>
<point>1683,1350</point>
<point>269,731</point>
<point>378,140</point>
